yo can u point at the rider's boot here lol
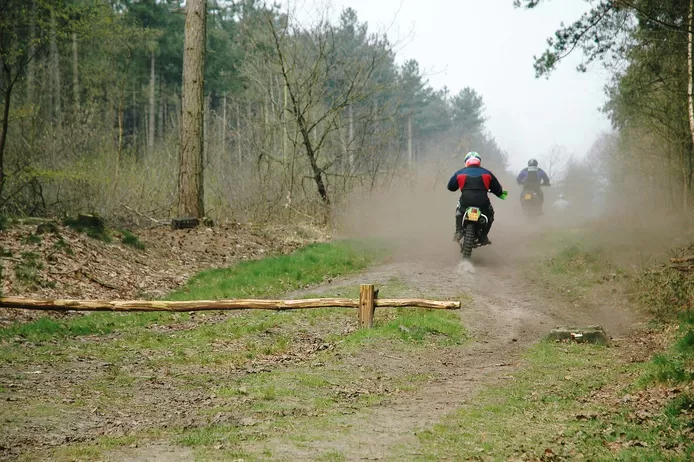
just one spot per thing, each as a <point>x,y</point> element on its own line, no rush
<point>484,240</point>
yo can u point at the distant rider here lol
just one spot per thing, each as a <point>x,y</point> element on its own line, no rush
<point>531,178</point>
<point>561,204</point>
<point>474,182</point>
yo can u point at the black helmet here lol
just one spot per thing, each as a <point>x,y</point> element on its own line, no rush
<point>532,163</point>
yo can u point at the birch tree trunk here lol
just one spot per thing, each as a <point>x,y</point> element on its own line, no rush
<point>190,180</point>
<point>151,129</point>
<point>5,125</point>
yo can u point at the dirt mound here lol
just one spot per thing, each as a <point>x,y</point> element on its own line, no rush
<point>54,261</point>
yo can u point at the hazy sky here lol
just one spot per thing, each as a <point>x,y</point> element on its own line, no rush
<point>489,46</point>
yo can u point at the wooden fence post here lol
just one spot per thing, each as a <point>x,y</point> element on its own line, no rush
<point>367,305</point>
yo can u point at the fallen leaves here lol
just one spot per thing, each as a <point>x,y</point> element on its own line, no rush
<point>68,264</point>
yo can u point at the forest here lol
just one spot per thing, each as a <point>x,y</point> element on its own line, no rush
<point>297,113</point>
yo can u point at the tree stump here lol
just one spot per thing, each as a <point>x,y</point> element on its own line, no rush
<point>184,223</point>
<point>583,334</point>
<point>47,228</point>
<point>91,221</point>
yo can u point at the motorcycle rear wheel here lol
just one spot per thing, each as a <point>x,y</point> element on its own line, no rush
<point>468,241</point>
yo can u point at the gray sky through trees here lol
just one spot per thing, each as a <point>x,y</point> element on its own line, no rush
<point>489,46</point>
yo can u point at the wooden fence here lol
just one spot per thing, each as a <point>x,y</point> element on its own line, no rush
<point>367,303</point>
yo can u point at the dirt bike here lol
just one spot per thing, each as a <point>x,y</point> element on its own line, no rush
<point>474,223</point>
<point>531,202</point>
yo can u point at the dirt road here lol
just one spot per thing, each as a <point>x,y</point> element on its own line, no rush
<point>506,313</point>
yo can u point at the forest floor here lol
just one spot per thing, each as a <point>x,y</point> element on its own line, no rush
<point>476,384</point>
<point>58,261</point>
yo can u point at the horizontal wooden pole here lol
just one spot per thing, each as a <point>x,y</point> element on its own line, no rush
<point>209,305</point>
<point>416,303</point>
<point>193,305</point>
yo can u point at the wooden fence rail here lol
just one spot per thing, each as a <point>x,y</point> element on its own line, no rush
<point>366,304</point>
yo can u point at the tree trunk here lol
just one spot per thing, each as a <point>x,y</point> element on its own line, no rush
<point>75,74</point>
<point>223,131</point>
<point>690,71</point>
<point>283,118</point>
<point>238,132</point>
<point>190,180</point>
<point>351,137</point>
<point>31,65</point>
<point>206,129</point>
<point>5,125</point>
<point>409,140</point>
<point>162,109</point>
<point>151,130</point>
<point>55,72</point>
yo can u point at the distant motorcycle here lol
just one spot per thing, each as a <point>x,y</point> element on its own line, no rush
<point>531,202</point>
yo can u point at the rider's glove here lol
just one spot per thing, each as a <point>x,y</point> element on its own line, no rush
<point>504,195</point>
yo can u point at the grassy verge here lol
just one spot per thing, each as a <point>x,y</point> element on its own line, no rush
<point>276,275</point>
<point>569,402</point>
<point>580,402</point>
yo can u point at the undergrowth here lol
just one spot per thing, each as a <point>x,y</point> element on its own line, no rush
<point>93,228</point>
<point>130,239</point>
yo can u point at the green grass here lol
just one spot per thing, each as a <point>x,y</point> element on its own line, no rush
<point>416,326</point>
<point>61,245</point>
<point>546,410</point>
<point>32,239</point>
<point>45,329</point>
<point>273,276</point>
<point>28,271</point>
<point>131,240</point>
<point>675,366</point>
<point>575,270</point>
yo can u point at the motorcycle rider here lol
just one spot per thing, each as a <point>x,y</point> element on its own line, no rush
<point>531,178</point>
<point>474,182</point>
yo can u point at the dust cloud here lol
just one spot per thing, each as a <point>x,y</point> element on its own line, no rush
<point>415,214</point>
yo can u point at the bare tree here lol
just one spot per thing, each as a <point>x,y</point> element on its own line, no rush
<point>555,162</point>
<point>309,63</point>
<point>190,180</point>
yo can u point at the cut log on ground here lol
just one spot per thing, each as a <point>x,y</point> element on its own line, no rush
<point>585,334</point>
